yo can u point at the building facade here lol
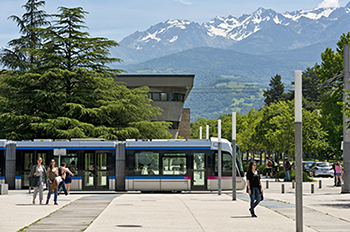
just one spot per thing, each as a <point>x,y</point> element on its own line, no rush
<point>168,92</point>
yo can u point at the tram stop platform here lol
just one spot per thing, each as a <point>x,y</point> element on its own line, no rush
<point>324,210</point>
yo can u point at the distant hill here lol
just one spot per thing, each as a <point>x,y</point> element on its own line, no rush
<point>226,80</point>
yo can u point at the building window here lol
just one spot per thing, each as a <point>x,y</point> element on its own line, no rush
<point>166,97</point>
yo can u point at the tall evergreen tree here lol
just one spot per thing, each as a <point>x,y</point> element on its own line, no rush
<point>18,56</point>
<point>274,94</point>
<point>69,92</point>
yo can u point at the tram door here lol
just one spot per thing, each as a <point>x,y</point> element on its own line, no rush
<point>199,174</point>
<point>27,159</point>
<point>95,170</point>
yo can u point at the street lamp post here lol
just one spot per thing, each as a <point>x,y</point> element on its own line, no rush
<point>298,152</point>
<point>234,155</point>
<point>219,157</point>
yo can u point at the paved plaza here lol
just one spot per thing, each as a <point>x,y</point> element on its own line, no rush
<point>324,210</point>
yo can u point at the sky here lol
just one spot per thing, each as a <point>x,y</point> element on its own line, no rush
<point>116,19</point>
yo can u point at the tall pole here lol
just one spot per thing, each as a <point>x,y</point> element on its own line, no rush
<point>207,132</point>
<point>234,197</point>
<point>298,152</point>
<point>200,132</point>
<point>346,132</point>
<point>219,157</point>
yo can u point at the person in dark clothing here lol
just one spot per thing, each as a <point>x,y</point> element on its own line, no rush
<point>254,187</point>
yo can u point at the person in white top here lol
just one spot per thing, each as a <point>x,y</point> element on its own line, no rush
<point>37,170</point>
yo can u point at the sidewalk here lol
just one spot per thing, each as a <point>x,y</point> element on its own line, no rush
<point>187,212</point>
<point>325,210</point>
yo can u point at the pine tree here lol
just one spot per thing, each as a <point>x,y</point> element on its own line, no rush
<point>18,56</point>
<point>70,92</point>
<point>275,92</point>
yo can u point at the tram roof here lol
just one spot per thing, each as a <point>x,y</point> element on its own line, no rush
<point>78,144</point>
<point>211,144</point>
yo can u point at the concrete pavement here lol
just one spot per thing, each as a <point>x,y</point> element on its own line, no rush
<point>325,210</point>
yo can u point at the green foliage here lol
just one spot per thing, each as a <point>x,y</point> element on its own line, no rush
<point>332,95</point>
<point>68,91</point>
<point>274,94</point>
<point>18,57</point>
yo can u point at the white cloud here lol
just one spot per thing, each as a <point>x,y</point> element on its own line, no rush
<point>183,2</point>
<point>328,4</point>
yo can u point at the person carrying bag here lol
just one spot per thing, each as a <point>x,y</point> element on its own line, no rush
<point>52,173</point>
<point>37,178</point>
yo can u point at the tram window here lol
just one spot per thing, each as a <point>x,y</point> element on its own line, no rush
<point>43,157</point>
<point>146,163</point>
<point>2,163</point>
<point>28,160</point>
<point>226,164</point>
<point>71,160</point>
<point>174,165</point>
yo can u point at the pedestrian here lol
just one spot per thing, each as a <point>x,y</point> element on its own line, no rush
<point>52,173</point>
<point>68,179</point>
<point>269,166</point>
<point>338,173</point>
<point>335,176</point>
<point>277,170</point>
<point>38,170</point>
<point>254,187</point>
<point>62,171</point>
<point>287,168</point>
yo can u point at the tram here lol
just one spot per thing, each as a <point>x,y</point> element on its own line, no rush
<point>131,165</point>
<point>175,165</point>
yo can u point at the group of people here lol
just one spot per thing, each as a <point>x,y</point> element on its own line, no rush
<point>254,186</point>
<point>273,167</point>
<point>56,178</point>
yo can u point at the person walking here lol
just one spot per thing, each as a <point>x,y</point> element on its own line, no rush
<point>62,171</point>
<point>335,176</point>
<point>254,187</point>
<point>287,168</point>
<point>269,166</point>
<point>38,170</point>
<point>68,179</point>
<point>52,173</point>
<point>277,170</point>
<point>338,173</point>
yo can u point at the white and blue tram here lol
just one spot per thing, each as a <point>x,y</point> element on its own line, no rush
<point>132,165</point>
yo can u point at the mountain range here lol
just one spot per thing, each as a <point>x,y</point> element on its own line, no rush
<point>233,58</point>
<point>260,32</point>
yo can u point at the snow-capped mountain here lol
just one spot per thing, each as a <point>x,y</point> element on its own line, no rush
<point>264,30</point>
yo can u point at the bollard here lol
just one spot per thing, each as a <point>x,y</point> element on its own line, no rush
<point>267,184</point>
<point>282,188</point>
<point>312,188</point>
<point>320,183</point>
<point>293,184</point>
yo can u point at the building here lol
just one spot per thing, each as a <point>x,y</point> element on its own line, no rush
<point>168,92</point>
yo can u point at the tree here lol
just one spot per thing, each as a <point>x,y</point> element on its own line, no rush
<point>310,86</point>
<point>69,91</point>
<point>275,92</point>
<point>18,56</point>
<point>332,94</point>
